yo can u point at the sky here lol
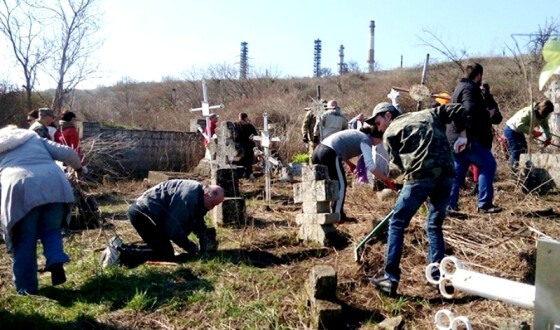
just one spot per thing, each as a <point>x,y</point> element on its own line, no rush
<point>146,40</point>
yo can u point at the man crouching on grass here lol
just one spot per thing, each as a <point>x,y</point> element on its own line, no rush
<point>165,213</point>
<point>418,145</point>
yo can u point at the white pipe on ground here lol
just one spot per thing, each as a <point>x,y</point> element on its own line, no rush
<point>453,275</point>
<point>446,320</point>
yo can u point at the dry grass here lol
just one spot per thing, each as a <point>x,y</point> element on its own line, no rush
<point>264,263</point>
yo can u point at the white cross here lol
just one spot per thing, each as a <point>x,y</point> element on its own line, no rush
<point>206,107</point>
<point>265,140</point>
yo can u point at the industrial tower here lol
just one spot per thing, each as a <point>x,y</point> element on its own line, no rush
<point>371,58</point>
<point>342,67</point>
<point>317,59</point>
<point>243,61</point>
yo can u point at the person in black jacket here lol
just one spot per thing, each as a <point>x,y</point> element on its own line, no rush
<point>492,107</point>
<point>479,133</point>
<point>244,132</point>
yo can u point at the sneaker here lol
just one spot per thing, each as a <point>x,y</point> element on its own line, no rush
<point>58,276</point>
<point>116,242</point>
<point>111,254</point>
<point>385,286</point>
<point>490,209</point>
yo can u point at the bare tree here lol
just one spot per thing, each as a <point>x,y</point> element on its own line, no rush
<point>74,26</point>
<point>22,27</point>
<point>538,39</point>
<point>434,42</point>
<point>353,66</point>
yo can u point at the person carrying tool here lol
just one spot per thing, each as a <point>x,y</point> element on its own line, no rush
<point>521,123</point>
<point>167,212</point>
<point>418,145</point>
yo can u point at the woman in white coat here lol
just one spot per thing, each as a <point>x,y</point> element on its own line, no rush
<point>34,202</point>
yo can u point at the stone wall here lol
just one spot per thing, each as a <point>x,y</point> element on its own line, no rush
<point>150,150</point>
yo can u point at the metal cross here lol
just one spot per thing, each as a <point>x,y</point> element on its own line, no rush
<point>205,109</point>
<point>265,140</point>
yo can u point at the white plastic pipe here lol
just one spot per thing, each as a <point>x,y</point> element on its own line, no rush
<point>446,320</point>
<point>453,275</point>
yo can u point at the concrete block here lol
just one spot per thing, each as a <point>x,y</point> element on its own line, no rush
<point>314,173</point>
<point>326,315</point>
<point>324,190</point>
<point>227,179</point>
<point>321,283</point>
<point>311,207</point>
<point>298,193</point>
<point>317,218</point>
<point>321,234</point>
<point>315,191</point>
<point>230,213</point>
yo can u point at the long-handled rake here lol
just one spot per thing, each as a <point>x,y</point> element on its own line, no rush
<point>382,224</point>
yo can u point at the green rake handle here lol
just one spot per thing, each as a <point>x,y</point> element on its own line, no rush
<point>377,228</point>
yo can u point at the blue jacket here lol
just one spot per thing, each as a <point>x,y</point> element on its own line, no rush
<point>178,205</point>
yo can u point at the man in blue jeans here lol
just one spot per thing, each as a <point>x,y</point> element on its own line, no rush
<point>417,144</point>
<point>479,132</point>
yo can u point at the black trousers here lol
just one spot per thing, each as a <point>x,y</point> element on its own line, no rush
<point>323,155</point>
<point>152,233</point>
<point>247,161</point>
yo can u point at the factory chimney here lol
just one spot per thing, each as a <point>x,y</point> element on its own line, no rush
<point>371,58</point>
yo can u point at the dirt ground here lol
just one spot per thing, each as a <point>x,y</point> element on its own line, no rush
<point>501,245</point>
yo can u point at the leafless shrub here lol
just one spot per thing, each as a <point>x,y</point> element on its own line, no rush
<point>107,155</point>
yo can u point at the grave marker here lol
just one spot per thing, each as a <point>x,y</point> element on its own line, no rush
<point>265,140</point>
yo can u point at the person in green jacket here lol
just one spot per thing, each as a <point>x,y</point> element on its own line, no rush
<point>522,124</point>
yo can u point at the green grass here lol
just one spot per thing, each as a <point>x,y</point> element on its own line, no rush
<point>215,291</point>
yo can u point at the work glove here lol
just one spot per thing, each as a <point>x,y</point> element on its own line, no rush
<point>460,144</point>
<point>547,142</point>
<point>537,134</point>
<point>305,139</point>
<point>390,184</point>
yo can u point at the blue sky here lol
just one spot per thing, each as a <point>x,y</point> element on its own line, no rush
<point>147,40</point>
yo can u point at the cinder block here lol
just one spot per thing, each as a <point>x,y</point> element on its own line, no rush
<point>227,179</point>
<point>230,213</point>
<point>317,218</point>
<point>321,234</point>
<point>310,207</point>
<point>326,315</point>
<point>315,191</point>
<point>321,283</point>
<point>314,172</point>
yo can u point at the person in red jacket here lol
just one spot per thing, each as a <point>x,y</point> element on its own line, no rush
<point>69,134</point>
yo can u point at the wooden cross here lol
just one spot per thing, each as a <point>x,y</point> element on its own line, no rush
<point>264,141</point>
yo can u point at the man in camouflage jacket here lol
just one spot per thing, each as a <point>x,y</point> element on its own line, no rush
<point>418,145</point>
